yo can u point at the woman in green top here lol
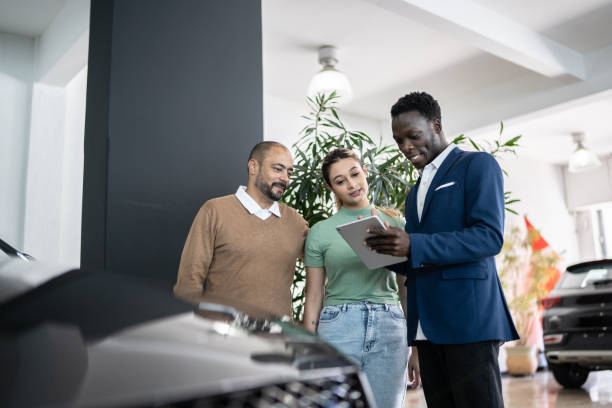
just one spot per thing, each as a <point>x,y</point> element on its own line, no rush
<point>357,310</point>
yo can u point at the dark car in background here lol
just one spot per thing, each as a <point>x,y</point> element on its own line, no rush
<point>77,338</point>
<point>577,323</point>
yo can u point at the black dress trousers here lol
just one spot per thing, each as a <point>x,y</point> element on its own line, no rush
<point>461,375</point>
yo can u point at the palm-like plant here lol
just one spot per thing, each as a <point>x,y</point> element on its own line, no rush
<point>389,176</point>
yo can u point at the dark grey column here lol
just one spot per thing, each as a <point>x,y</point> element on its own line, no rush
<point>174,105</point>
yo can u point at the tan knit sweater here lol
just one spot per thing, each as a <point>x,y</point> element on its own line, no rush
<point>240,256</point>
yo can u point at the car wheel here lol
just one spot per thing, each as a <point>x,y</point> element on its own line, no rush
<point>569,376</point>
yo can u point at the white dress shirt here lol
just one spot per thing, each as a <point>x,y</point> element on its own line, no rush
<point>255,209</point>
<point>427,176</point>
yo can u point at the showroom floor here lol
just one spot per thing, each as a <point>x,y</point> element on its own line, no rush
<point>542,391</point>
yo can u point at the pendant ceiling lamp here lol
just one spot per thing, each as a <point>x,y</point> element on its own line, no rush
<point>582,159</point>
<point>329,78</point>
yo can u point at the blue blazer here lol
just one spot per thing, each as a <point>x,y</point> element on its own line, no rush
<point>452,281</point>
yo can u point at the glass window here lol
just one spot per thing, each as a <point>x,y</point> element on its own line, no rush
<point>586,277</point>
<point>606,218</point>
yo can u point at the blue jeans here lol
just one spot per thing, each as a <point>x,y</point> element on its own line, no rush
<point>373,335</point>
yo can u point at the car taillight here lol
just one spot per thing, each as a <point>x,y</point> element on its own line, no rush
<point>553,338</point>
<point>550,301</point>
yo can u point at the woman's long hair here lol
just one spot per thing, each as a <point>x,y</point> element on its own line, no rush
<point>340,154</point>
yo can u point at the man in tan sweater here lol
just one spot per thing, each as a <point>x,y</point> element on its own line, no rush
<point>244,246</point>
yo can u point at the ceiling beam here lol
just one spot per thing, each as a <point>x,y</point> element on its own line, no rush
<point>494,33</point>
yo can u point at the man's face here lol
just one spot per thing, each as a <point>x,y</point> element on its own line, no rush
<point>418,138</point>
<point>274,172</point>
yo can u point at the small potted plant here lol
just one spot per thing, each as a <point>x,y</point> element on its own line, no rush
<point>524,273</point>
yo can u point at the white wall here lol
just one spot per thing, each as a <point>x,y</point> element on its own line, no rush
<point>72,193</point>
<point>606,213</point>
<point>16,62</point>
<point>591,188</point>
<point>42,114</point>
<point>541,189</point>
<point>43,186</point>
<point>55,172</point>
<point>283,121</point>
<point>61,50</point>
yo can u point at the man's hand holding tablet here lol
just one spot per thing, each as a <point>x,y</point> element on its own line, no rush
<point>391,241</point>
<point>355,234</point>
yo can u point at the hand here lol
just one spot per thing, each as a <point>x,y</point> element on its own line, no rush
<point>374,212</point>
<point>414,371</point>
<point>392,241</point>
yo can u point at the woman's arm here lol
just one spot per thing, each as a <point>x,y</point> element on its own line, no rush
<point>315,291</point>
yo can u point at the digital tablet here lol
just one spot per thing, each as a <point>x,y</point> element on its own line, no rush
<point>354,233</point>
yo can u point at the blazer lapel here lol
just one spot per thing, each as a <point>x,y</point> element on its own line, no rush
<point>412,217</point>
<point>447,164</point>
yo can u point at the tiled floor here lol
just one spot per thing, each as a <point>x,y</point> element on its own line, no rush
<point>542,391</point>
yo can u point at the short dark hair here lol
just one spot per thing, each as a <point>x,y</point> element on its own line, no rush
<point>261,149</point>
<point>335,156</point>
<point>421,102</point>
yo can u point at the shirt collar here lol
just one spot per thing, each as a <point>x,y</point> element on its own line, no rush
<point>437,162</point>
<point>251,205</point>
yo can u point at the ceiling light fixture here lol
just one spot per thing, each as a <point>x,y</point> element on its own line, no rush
<point>582,159</point>
<point>329,78</point>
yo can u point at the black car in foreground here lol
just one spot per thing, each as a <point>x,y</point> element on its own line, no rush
<point>82,338</point>
<point>577,323</point>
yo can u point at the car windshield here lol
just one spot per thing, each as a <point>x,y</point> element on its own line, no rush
<point>595,275</point>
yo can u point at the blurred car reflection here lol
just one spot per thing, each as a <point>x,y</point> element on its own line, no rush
<point>577,323</point>
<point>82,338</point>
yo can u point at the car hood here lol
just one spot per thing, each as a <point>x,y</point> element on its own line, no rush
<point>19,275</point>
<point>85,338</point>
<point>189,355</point>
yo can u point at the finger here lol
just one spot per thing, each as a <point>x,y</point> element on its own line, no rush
<point>387,251</point>
<point>377,231</point>
<point>386,225</point>
<point>411,374</point>
<point>380,240</point>
<point>374,211</point>
<point>383,249</point>
<point>359,217</point>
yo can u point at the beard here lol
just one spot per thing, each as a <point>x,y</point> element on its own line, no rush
<point>267,188</point>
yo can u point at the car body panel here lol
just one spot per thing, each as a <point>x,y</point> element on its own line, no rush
<point>578,326</point>
<point>18,276</point>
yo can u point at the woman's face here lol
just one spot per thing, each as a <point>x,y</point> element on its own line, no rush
<point>348,182</point>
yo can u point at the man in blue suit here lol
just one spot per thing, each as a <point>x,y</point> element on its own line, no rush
<point>457,313</point>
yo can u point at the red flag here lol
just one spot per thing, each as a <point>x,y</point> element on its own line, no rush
<point>538,244</point>
<point>535,239</point>
<point>547,277</point>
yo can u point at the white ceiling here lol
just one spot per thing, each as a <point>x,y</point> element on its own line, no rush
<point>391,47</point>
<point>583,25</point>
<point>547,133</point>
<point>28,18</point>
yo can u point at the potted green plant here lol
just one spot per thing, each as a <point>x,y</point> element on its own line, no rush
<point>523,273</point>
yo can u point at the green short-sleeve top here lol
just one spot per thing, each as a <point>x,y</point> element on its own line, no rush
<point>348,280</point>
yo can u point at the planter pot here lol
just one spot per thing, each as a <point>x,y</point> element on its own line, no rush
<point>521,360</point>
